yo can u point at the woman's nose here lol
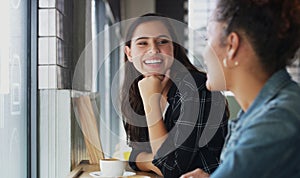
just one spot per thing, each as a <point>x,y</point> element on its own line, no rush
<point>153,49</point>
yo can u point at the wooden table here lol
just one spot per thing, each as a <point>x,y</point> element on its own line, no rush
<point>84,168</point>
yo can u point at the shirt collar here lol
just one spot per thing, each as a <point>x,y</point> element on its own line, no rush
<point>273,85</point>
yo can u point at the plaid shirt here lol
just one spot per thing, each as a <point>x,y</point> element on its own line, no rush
<point>188,115</point>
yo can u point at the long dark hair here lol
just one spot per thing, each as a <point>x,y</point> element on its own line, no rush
<point>271,26</point>
<point>131,102</point>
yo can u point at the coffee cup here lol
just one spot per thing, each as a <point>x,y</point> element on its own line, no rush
<point>112,167</point>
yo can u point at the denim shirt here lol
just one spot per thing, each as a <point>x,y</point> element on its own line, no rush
<point>265,140</point>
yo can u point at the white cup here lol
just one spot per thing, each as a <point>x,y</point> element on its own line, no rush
<point>112,167</point>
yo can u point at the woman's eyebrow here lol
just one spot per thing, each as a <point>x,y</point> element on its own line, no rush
<point>141,38</point>
<point>163,36</point>
<point>145,37</point>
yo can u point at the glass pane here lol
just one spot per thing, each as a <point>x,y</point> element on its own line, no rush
<point>13,89</point>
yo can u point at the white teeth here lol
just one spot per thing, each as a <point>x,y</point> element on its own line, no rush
<point>155,61</point>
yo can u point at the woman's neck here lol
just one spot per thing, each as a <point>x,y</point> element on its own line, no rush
<point>164,98</point>
<point>248,87</point>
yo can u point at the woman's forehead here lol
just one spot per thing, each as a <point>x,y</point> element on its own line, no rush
<point>151,29</point>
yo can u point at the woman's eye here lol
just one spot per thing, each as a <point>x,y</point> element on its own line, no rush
<point>141,43</point>
<point>165,41</point>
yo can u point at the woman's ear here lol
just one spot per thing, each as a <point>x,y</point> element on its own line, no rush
<point>233,40</point>
<point>128,53</point>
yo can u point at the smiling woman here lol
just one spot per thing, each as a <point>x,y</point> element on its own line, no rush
<point>152,54</point>
<point>165,103</point>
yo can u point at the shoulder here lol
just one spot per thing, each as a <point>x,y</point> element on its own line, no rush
<point>280,115</point>
<point>189,83</point>
<point>192,77</point>
<point>286,103</point>
<point>283,97</point>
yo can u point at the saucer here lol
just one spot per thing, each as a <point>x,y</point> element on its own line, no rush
<point>99,174</point>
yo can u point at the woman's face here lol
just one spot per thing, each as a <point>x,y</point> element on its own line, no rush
<point>151,50</point>
<point>213,57</point>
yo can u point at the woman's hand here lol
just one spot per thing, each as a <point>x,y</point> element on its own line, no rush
<point>197,173</point>
<point>152,86</point>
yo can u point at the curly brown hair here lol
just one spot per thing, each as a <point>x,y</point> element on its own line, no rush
<point>271,26</point>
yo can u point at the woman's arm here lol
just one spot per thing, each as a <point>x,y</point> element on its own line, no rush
<point>182,152</point>
<point>151,88</point>
<point>146,165</point>
<point>141,158</point>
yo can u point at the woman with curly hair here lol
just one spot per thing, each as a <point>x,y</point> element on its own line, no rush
<point>250,43</point>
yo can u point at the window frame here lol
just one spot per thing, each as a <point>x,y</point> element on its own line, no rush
<point>32,89</point>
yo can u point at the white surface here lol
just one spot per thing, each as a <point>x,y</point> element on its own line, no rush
<point>47,25</point>
<point>106,166</point>
<point>13,89</point>
<point>4,47</point>
<point>46,3</point>
<point>99,174</point>
<point>47,50</point>
<point>55,133</point>
<point>48,77</point>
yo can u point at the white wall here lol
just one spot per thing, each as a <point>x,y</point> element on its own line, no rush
<point>54,133</point>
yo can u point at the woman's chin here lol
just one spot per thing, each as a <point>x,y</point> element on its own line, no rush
<point>214,87</point>
<point>154,72</point>
<point>208,86</point>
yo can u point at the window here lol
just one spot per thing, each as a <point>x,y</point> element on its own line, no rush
<point>98,64</point>
<point>13,89</point>
<point>198,14</point>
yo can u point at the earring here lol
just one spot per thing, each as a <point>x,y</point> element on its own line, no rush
<point>236,63</point>
<point>225,62</point>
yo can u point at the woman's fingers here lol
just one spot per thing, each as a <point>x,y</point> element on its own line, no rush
<point>197,173</point>
<point>153,83</point>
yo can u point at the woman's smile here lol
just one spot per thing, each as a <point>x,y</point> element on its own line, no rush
<point>153,61</point>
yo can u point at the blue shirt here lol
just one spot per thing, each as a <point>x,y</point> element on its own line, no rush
<point>265,140</point>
